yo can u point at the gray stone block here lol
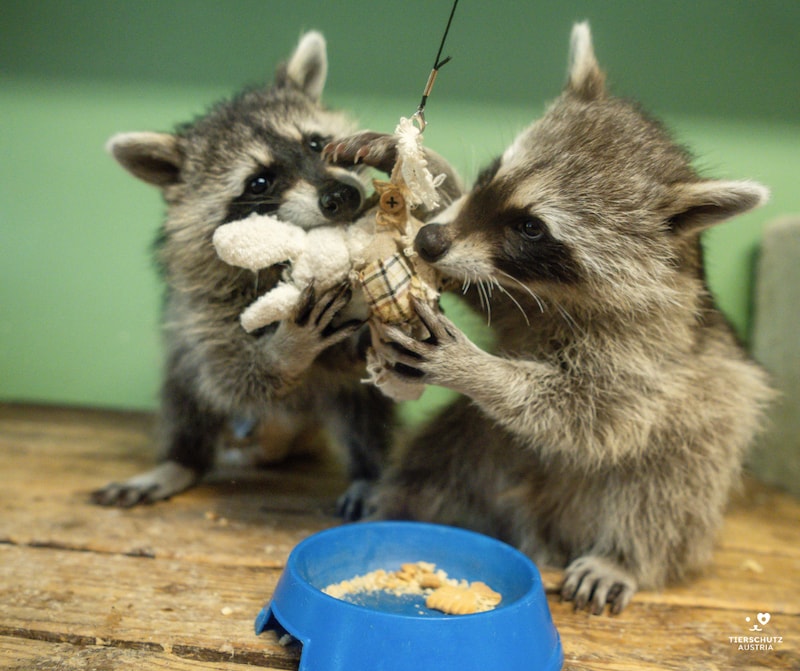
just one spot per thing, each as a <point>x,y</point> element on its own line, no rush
<point>776,345</point>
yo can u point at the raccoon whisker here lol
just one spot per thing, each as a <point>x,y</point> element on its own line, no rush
<point>576,329</point>
<point>481,290</point>
<point>503,290</point>
<point>481,297</point>
<point>484,289</point>
<point>485,292</point>
<point>524,287</point>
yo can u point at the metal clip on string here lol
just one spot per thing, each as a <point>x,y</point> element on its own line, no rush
<point>439,62</point>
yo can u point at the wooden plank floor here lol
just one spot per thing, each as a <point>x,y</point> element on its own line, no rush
<point>177,585</point>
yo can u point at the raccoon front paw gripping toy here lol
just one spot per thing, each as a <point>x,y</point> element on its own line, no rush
<point>374,253</point>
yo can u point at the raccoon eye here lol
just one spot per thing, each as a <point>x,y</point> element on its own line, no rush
<point>533,229</point>
<point>259,184</point>
<point>316,142</point>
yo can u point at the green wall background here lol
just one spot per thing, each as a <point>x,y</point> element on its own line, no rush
<point>79,297</point>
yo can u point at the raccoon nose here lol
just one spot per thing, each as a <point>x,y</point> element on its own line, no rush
<point>340,201</point>
<point>432,242</point>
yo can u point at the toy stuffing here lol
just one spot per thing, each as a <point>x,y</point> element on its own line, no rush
<point>374,253</point>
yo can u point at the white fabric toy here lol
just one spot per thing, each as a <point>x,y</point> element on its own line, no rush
<point>322,255</point>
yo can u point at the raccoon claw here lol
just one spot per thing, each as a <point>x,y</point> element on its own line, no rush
<point>326,311</point>
<point>353,504</point>
<point>331,303</point>
<point>161,483</point>
<point>319,313</point>
<point>439,326</point>
<point>332,152</point>
<point>397,347</point>
<point>442,333</point>
<point>377,150</point>
<point>119,495</point>
<point>594,582</point>
<point>317,317</point>
<point>361,155</point>
<point>341,153</point>
<point>305,304</point>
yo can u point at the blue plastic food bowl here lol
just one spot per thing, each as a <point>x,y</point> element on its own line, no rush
<point>382,632</point>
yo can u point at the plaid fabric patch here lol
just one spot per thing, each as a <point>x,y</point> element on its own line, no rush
<point>386,286</point>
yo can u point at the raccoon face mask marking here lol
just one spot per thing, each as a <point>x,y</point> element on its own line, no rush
<point>296,186</point>
<point>492,240</point>
<point>258,197</point>
<point>527,250</point>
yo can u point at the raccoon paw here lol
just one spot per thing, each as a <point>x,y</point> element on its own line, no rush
<point>378,150</point>
<point>594,582</point>
<point>355,504</point>
<point>318,316</point>
<point>161,483</point>
<point>440,359</point>
<point>312,329</point>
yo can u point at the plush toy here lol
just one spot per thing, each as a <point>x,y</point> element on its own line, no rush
<point>374,253</point>
<point>322,255</point>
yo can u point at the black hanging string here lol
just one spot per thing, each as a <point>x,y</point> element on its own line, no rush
<point>438,63</point>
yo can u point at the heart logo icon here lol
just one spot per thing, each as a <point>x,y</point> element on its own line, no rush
<point>763,618</point>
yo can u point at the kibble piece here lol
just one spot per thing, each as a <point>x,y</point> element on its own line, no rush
<point>454,600</point>
<point>485,593</point>
<point>430,581</point>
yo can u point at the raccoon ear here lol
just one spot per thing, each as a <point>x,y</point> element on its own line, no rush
<point>586,79</point>
<point>155,158</point>
<point>698,205</point>
<point>307,69</point>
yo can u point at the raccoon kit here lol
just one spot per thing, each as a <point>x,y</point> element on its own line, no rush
<point>605,433</point>
<point>260,152</point>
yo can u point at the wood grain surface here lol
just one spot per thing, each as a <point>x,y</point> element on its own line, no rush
<point>177,585</point>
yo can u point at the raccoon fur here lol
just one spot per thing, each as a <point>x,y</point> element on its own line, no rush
<point>260,152</point>
<point>605,433</point>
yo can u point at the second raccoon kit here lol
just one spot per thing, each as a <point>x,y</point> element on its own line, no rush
<point>257,153</point>
<point>608,429</point>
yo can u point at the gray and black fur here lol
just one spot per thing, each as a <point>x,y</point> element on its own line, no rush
<point>259,152</point>
<point>607,429</point>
